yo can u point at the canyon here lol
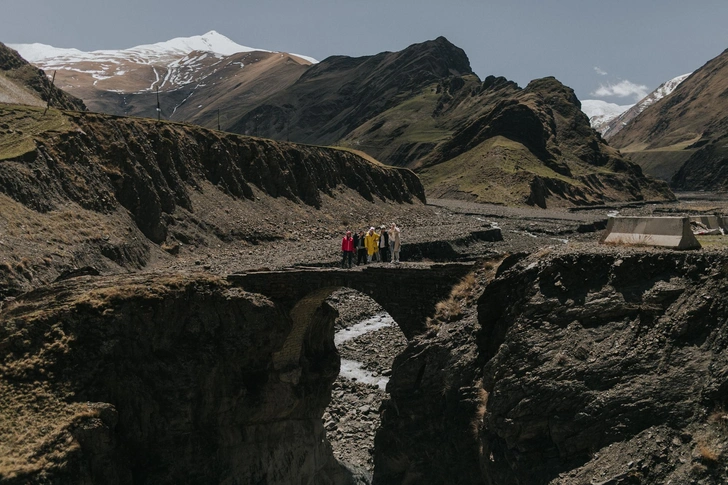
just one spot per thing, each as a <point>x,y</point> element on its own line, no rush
<point>171,299</point>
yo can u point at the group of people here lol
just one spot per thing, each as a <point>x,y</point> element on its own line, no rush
<point>376,245</point>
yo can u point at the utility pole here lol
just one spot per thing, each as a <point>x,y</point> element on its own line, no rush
<point>49,93</point>
<point>159,108</point>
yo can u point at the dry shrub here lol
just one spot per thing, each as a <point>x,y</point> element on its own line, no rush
<point>464,289</point>
<point>708,454</point>
<point>542,253</point>
<point>719,418</point>
<point>448,310</point>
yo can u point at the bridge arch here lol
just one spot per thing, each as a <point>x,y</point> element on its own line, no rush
<point>408,293</point>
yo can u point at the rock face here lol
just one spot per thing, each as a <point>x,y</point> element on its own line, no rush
<point>141,184</point>
<point>340,93</point>
<point>165,379</point>
<point>21,83</point>
<point>532,146</point>
<point>607,367</point>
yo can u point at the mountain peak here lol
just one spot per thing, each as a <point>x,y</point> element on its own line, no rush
<point>442,55</point>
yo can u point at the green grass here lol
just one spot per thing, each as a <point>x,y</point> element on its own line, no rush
<point>498,171</point>
<point>412,116</point>
<point>713,242</point>
<point>19,124</point>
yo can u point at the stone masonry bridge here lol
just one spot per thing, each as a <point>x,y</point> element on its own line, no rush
<point>408,293</point>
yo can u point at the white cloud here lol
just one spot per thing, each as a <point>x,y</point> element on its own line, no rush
<point>600,71</point>
<point>622,89</point>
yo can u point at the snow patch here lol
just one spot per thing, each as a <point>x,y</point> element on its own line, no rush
<point>601,112</point>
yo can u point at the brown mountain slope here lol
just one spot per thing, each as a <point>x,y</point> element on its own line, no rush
<point>223,85</point>
<point>423,106</point>
<point>535,146</point>
<point>339,94</point>
<point>685,129</point>
<point>419,107</point>
<point>21,83</point>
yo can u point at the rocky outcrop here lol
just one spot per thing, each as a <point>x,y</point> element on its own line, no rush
<point>118,189</point>
<point>605,367</point>
<point>150,170</point>
<point>532,146</point>
<point>19,72</point>
<point>165,379</point>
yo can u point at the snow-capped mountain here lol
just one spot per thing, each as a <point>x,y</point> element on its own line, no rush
<point>164,65</point>
<point>600,112</point>
<point>615,125</point>
<point>609,118</point>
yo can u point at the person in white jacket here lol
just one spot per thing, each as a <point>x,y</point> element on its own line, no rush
<point>395,242</point>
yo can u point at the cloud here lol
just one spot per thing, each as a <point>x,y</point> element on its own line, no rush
<point>600,71</point>
<point>622,89</point>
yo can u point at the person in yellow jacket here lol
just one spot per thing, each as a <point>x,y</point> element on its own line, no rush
<point>371,242</point>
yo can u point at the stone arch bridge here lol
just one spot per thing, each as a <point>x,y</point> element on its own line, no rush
<point>408,293</point>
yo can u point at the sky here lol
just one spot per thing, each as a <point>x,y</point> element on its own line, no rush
<point>615,50</point>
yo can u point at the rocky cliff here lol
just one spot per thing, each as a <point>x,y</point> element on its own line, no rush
<point>594,367</point>
<point>530,146</point>
<point>21,83</point>
<point>79,189</point>
<point>165,379</point>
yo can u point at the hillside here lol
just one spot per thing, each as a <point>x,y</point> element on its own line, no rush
<point>423,107</point>
<point>21,83</point>
<point>419,108</point>
<point>682,137</point>
<point>116,194</point>
<point>534,145</point>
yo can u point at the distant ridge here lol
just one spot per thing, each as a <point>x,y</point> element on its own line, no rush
<point>421,108</point>
<point>682,138</point>
<point>615,125</point>
<point>600,112</point>
<point>169,65</point>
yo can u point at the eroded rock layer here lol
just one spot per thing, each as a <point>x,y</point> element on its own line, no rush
<point>81,189</point>
<point>166,379</point>
<point>596,367</point>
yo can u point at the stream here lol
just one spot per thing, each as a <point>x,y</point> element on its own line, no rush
<point>353,370</point>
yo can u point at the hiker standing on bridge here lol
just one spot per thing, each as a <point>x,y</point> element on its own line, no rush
<point>361,250</point>
<point>394,242</point>
<point>347,248</point>
<point>383,244</point>
<point>371,242</point>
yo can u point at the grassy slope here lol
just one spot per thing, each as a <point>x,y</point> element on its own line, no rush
<point>19,124</point>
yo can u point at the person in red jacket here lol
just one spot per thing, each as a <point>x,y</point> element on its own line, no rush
<point>347,249</point>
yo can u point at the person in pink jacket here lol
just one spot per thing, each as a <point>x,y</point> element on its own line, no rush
<point>347,249</point>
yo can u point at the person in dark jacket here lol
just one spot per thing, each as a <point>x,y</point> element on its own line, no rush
<point>361,250</point>
<point>383,244</point>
